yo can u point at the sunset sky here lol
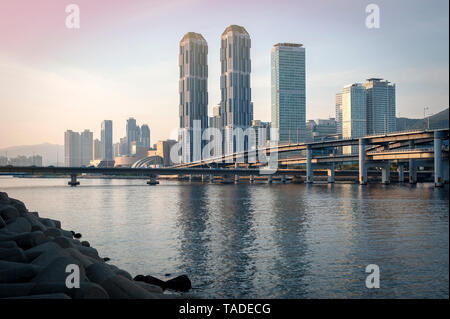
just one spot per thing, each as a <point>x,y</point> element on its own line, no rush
<point>123,61</point>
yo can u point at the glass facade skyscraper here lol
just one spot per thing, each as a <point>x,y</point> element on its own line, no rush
<point>193,90</point>
<point>288,91</point>
<point>354,115</point>
<point>106,140</point>
<point>380,106</point>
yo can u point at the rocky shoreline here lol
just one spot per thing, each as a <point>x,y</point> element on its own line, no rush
<point>40,260</point>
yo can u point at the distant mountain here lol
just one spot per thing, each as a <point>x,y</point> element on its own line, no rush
<point>438,120</point>
<point>51,153</point>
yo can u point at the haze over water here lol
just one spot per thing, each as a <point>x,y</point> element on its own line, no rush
<point>265,241</point>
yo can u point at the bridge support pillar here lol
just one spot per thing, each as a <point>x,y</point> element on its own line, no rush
<point>252,179</point>
<point>190,178</point>
<point>401,173</point>
<point>203,178</point>
<point>73,180</point>
<point>445,171</point>
<point>152,180</point>
<point>362,163</point>
<point>211,178</point>
<point>412,172</point>
<point>309,170</point>
<point>438,178</point>
<point>283,179</point>
<point>269,179</point>
<point>331,173</point>
<point>236,176</point>
<point>226,179</point>
<point>297,179</point>
<point>385,173</point>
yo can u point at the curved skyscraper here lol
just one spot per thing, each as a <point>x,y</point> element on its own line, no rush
<point>236,108</point>
<point>193,104</point>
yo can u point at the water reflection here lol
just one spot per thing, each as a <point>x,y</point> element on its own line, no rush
<point>291,241</point>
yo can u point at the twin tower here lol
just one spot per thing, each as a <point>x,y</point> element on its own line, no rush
<point>236,108</point>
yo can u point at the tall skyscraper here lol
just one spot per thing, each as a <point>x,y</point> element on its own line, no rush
<point>354,115</point>
<point>380,106</point>
<point>131,133</point>
<point>86,145</point>
<point>96,150</point>
<point>193,89</point>
<point>288,91</point>
<point>107,140</point>
<point>339,114</point>
<point>236,107</point>
<point>72,149</point>
<point>145,136</point>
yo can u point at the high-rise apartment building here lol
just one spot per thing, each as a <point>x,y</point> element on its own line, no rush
<point>131,131</point>
<point>86,146</point>
<point>96,150</point>
<point>107,140</point>
<point>72,149</point>
<point>354,115</point>
<point>380,106</point>
<point>236,107</point>
<point>339,114</point>
<point>193,90</point>
<point>288,91</point>
<point>145,136</point>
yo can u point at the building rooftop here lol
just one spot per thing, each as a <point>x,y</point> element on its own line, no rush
<point>235,28</point>
<point>295,45</point>
<point>193,35</point>
<point>374,79</point>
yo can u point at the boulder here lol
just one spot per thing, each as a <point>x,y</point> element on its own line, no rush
<point>11,272</point>
<point>4,197</point>
<point>56,270</point>
<point>35,223</point>
<point>180,283</point>
<point>8,212</point>
<point>47,257</point>
<point>117,286</point>
<point>20,206</point>
<point>2,222</point>
<point>19,225</point>
<point>85,243</point>
<point>15,254</point>
<point>151,280</point>
<point>37,250</point>
<point>150,288</point>
<point>27,240</point>
<point>8,244</point>
<point>87,290</point>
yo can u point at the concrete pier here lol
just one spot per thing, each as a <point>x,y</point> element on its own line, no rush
<point>362,163</point>
<point>438,178</point>
<point>269,179</point>
<point>309,170</point>
<point>385,173</point>
<point>401,173</point>
<point>330,172</point>
<point>152,181</point>
<point>73,180</point>
<point>252,179</point>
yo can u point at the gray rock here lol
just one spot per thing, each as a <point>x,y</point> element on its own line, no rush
<point>11,272</point>
<point>13,254</point>
<point>19,225</point>
<point>56,271</point>
<point>37,250</point>
<point>8,212</point>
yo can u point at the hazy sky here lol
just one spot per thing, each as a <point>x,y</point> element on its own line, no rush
<point>123,61</point>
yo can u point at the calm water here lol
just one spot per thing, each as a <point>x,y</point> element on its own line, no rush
<point>268,241</point>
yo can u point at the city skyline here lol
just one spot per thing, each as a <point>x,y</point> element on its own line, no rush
<point>70,83</point>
